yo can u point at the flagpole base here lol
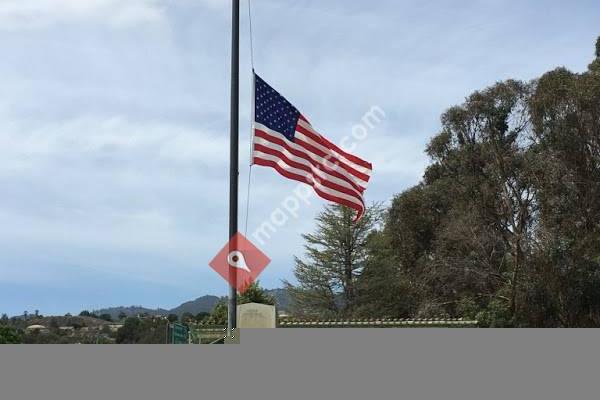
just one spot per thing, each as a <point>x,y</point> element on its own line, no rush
<point>233,336</point>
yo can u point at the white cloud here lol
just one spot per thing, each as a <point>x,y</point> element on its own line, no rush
<point>87,138</point>
<point>33,14</point>
<point>136,182</point>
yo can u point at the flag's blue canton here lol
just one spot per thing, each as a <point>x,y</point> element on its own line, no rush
<point>274,111</point>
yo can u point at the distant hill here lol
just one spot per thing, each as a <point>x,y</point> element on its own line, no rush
<point>57,321</point>
<point>201,304</point>
<point>282,298</point>
<point>131,311</point>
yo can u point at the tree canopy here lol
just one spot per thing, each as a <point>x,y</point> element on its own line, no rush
<point>9,335</point>
<point>504,226</point>
<point>336,255</point>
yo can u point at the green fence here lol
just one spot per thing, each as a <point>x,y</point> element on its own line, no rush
<point>207,334</point>
<point>178,334</point>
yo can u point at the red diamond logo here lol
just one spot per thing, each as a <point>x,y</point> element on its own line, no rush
<point>240,262</point>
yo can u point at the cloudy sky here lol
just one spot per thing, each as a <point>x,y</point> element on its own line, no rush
<point>114,124</point>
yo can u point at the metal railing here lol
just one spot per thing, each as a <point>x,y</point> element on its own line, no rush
<point>207,334</point>
<point>215,334</point>
<point>379,323</point>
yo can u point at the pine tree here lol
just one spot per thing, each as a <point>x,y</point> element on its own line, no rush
<point>335,257</point>
<point>255,294</point>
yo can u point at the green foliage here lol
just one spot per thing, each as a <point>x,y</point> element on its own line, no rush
<point>218,315</point>
<point>54,325</point>
<point>86,313</point>
<point>496,315</point>
<point>77,323</point>
<point>103,340</point>
<point>9,335</point>
<point>255,294</point>
<point>504,227</point>
<point>336,255</point>
<point>173,318</point>
<point>105,317</point>
<point>187,317</point>
<point>143,331</point>
<point>383,289</point>
<point>201,316</point>
<point>131,331</point>
<point>48,338</point>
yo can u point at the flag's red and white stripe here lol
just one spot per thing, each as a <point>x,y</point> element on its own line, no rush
<point>334,174</point>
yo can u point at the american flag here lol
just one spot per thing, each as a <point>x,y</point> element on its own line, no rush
<point>286,141</point>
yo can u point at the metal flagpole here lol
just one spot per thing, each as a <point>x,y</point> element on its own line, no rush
<point>234,159</point>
